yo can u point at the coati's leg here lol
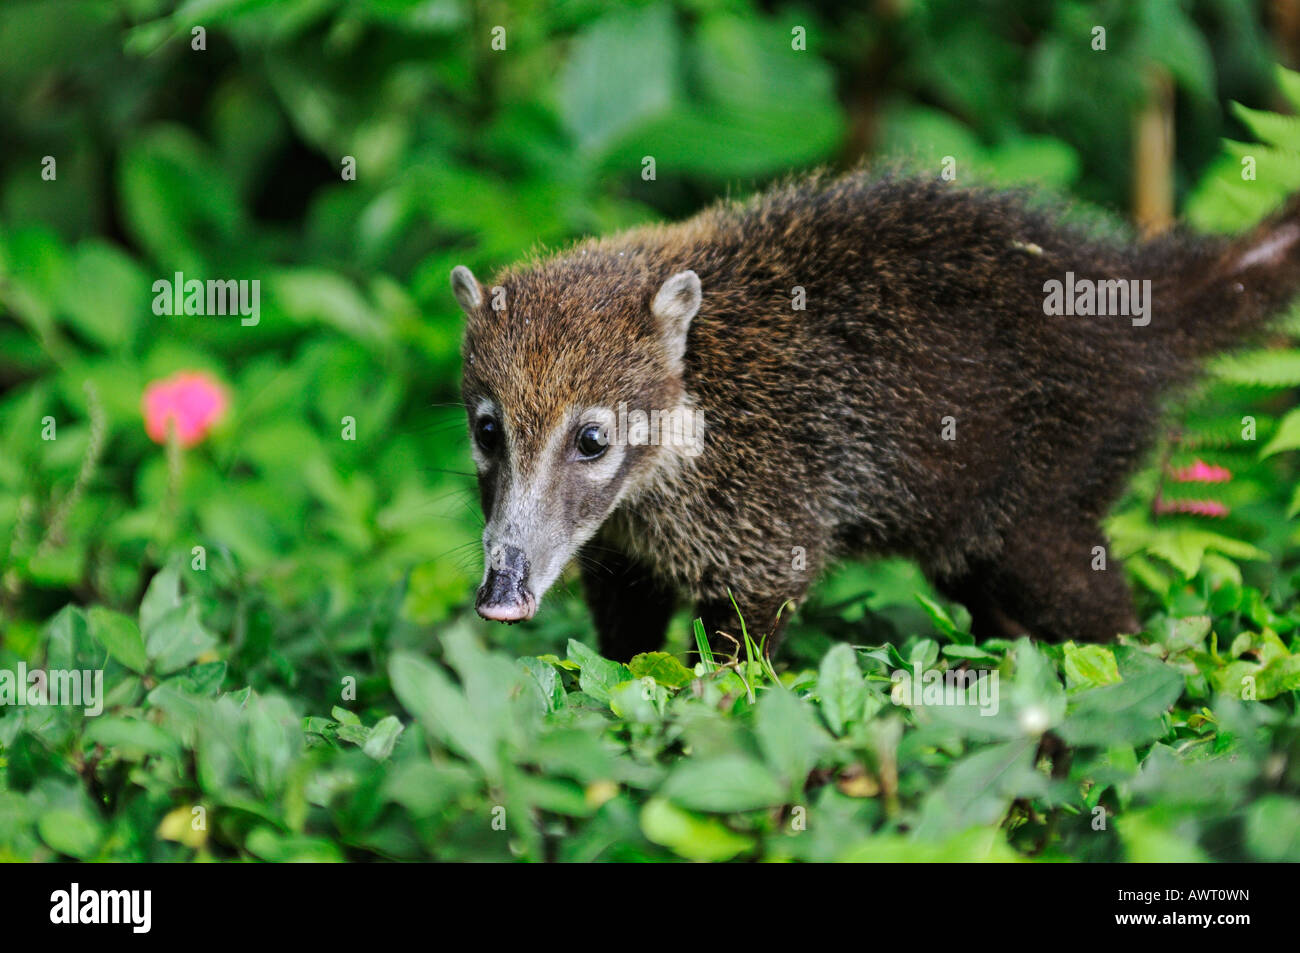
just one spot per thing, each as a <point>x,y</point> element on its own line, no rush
<point>629,606</point>
<point>760,615</point>
<point>1058,580</point>
<point>974,590</point>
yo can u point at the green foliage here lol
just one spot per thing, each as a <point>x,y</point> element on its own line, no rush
<point>484,757</point>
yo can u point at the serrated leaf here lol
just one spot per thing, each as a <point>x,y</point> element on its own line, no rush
<point>1274,128</point>
<point>1287,436</point>
<point>1275,368</point>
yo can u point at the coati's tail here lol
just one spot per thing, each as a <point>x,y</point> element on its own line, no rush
<point>1218,293</point>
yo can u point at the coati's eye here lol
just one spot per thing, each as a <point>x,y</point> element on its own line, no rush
<point>487,434</point>
<point>592,441</point>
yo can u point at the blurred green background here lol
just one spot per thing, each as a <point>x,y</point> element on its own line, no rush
<point>213,138</point>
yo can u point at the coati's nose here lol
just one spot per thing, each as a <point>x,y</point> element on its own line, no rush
<point>504,595</point>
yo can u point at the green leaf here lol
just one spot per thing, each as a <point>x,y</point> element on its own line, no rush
<point>620,73</point>
<point>383,737</point>
<point>1279,672</point>
<point>1273,128</point>
<point>599,675</point>
<point>979,788</point>
<point>1125,713</point>
<point>1286,437</point>
<point>1169,36</point>
<point>1185,548</point>
<point>841,687</point>
<point>175,198</point>
<point>1187,633</point>
<point>547,680</point>
<point>105,294</point>
<point>979,845</point>
<point>557,795</point>
<point>71,831</point>
<point>1267,368</point>
<point>635,701</point>
<point>202,679</point>
<point>972,653</point>
<point>499,692</point>
<point>177,639</point>
<point>68,642</point>
<point>162,596</point>
<point>276,848</point>
<point>663,668</point>
<point>1273,828</point>
<point>1152,835</point>
<point>344,717</point>
<point>131,738</point>
<point>1088,666</point>
<point>432,697</point>
<point>1036,694</point>
<point>942,620</point>
<point>119,636</point>
<point>728,782</point>
<point>315,295</point>
<point>689,836</point>
<point>789,734</point>
<point>747,90</point>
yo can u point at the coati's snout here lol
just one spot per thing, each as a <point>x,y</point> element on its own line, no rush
<point>549,395</point>
<point>504,595</point>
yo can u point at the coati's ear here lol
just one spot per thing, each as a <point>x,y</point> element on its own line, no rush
<point>674,306</point>
<point>465,286</point>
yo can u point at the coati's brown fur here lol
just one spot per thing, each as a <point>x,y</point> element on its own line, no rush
<point>824,427</point>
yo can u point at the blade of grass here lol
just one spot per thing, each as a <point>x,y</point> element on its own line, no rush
<point>702,643</point>
<point>750,648</point>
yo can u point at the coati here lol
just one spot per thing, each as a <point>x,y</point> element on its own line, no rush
<point>877,373</point>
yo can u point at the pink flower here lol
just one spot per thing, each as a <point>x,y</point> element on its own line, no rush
<point>1194,507</point>
<point>190,401</point>
<point>1202,472</point>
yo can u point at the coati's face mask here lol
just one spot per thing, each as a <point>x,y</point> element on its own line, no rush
<point>560,397</point>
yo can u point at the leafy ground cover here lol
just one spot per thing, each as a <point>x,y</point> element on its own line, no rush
<point>1140,751</point>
